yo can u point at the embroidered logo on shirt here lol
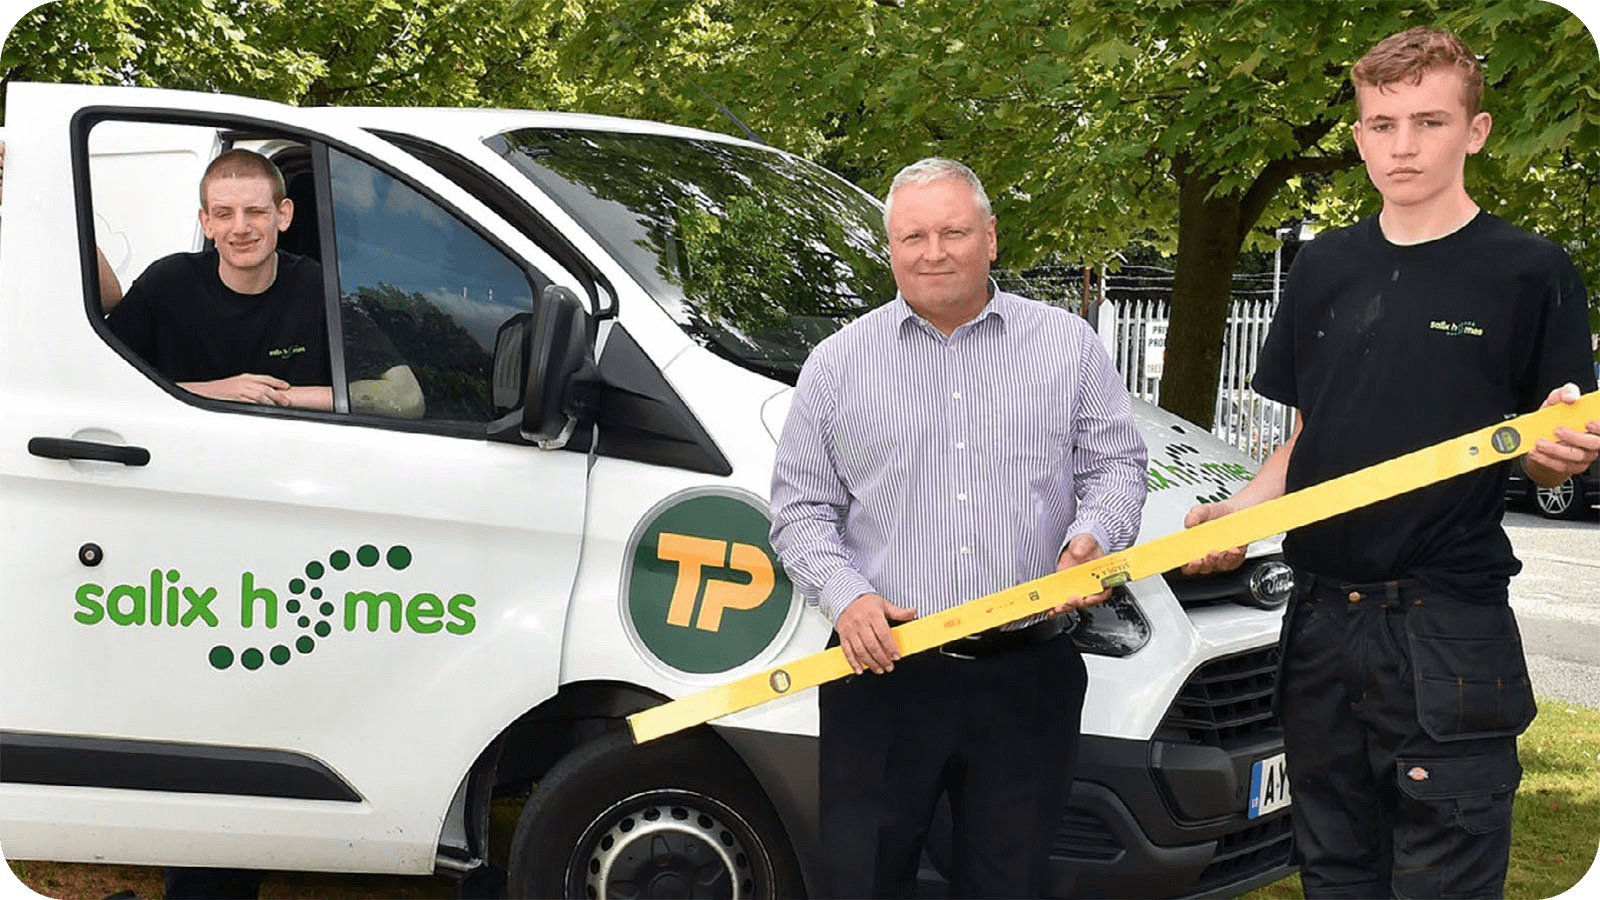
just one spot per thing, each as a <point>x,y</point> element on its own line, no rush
<point>1470,329</point>
<point>286,352</point>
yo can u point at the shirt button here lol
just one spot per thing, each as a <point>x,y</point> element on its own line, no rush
<point>966,551</point>
<point>956,395</point>
<point>961,496</point>
<point>961,445</point>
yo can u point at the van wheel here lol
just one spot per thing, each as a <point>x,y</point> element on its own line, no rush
<point>1564,501</point>
<point>677,817</point>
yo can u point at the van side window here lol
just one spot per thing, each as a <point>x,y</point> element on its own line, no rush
<point>416,282</point>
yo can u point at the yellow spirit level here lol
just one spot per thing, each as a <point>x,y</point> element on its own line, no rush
<point>1446,459</point>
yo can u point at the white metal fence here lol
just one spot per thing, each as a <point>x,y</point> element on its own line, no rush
<point>1131,310</point>
<point>1134,331</point>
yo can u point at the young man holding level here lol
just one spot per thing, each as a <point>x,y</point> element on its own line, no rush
<point>1403,684</point>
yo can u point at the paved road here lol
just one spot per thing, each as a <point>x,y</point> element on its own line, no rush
<point>1557,600</point>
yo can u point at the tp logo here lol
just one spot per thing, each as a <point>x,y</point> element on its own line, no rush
<point>705,593</point>
<point>694,555</point>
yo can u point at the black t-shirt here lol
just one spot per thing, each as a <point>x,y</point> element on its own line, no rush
<point>183,320</point>
<point>1385,349</point>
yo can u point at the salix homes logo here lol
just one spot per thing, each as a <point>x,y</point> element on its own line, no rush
<point>344,593</point>
<point>1214,481</point>
<point>1456,329</point>
<point>704,592</point>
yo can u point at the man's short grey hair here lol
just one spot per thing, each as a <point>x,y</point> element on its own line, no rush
<point>936,168</point>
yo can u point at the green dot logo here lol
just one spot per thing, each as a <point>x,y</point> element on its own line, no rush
<point>223,657</point>
<point>705,593</point>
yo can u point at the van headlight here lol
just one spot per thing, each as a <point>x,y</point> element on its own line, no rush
<point>1116,627</point>
<point>1271,583</point>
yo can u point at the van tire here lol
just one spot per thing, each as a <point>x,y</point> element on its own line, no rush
<point>677,817</point>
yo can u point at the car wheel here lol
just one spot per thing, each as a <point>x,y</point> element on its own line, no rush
<point>677,817</point>
<point>1564,501</point>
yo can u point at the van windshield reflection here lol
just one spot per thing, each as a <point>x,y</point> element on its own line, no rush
<point>758,255</point>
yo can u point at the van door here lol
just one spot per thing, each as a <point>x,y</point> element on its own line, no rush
<point>250,635</point>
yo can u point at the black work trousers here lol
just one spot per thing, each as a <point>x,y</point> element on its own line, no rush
<point>1400,709</point>
<point>997,734</point>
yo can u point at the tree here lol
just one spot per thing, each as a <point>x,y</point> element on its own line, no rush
<point>1193,127</point>
<point>312,52</point>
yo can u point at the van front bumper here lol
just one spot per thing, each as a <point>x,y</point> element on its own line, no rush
<point>1164,819</point>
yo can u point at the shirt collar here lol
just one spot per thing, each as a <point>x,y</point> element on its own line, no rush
<point>1001,305</point>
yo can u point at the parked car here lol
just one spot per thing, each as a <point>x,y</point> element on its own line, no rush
<point>1575,498</point>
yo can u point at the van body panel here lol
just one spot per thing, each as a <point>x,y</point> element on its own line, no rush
<point>438,565</point>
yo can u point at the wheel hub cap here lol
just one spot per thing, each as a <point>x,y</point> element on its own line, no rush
<point>665,850</point>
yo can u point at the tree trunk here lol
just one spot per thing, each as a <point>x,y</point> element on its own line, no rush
<point>1209,238</point>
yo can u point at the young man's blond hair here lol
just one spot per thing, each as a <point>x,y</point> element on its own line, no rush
<point>1408,56</point>
<point>244,164</point>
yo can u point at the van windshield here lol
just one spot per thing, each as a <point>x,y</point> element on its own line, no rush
<point>758,255</point>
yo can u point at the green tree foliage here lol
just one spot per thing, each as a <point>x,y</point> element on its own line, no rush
<point>311,52</point>
<point>1191,127</point>
<point>1195,128</point>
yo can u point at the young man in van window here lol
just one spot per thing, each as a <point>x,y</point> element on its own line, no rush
<point>1403,685</point>
<point>244,321</point>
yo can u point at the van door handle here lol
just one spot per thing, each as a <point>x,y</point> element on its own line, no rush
<point>67,448</point>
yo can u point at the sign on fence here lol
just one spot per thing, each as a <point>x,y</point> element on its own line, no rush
<point>1155,349</point>
<point>1134,331</point>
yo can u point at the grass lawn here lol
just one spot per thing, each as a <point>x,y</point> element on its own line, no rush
<point>1557,834</point>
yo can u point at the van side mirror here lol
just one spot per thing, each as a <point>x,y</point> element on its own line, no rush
<point>512,342</point>
<point>561,369</point>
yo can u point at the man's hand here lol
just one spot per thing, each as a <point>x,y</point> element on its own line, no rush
<point>1215,561</point>
<point>1080,550</point>
<point>1551,462</point>
<point>864,633</point>
<point>246,388</point>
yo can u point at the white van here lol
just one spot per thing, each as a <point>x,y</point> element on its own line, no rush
<point>280,639</point>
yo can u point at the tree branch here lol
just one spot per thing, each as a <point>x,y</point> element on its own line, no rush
<point>1276,174</point>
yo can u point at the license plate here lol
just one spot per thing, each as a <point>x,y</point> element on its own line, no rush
<point>1269,786</point>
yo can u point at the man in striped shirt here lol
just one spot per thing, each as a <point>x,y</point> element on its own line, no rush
<point>953,442</point>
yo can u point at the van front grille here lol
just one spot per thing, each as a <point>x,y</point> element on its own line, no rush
<point>1226,703</point>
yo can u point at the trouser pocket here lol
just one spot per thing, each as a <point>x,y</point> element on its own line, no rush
<point>1470,674</point>
<point>1454,839</point>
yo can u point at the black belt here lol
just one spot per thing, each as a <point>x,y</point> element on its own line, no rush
<point>1332,590</point>
<point>994,641</point>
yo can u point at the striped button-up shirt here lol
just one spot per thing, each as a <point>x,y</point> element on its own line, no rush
<point>933,470</point>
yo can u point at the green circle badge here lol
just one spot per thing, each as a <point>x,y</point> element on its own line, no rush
<point>705,592</point>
